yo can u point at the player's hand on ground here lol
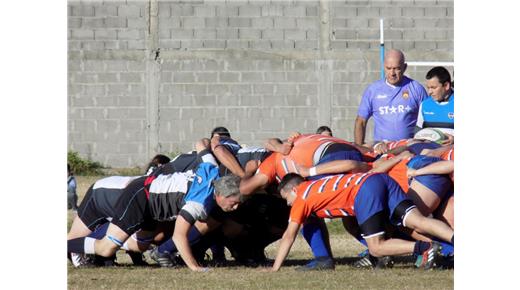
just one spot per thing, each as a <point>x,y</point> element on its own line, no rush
<point>202,269</point>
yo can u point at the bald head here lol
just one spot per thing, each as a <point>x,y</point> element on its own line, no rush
<point>395,66</point>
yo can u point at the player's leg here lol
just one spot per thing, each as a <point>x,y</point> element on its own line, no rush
<point>108,246</point>
<point>78,229</point>
<point>380,191</point>
<point>428,191</point>
<point>164,253</point>
<point>415,220</point>
<point>372,216</point>
<point>425,199</point>
<point>314,234</point>
<point>87,218</point>
<point>445,212</point>
<point>351,226</point>
<point>379,247</point>
<point>139,241</point>
<point>404,212</point>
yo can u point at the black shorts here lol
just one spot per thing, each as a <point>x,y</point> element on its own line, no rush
<point>97,207</point>
<point>132,211</point>
<point>378,223</point>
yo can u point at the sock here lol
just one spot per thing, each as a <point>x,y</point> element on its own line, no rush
<point>89,245</point>
<point>312,234</point>
<point>76,245</point>
<point>217,251</point>
<point>420,247</point>
<point>81,245</point>
<point>362,241</point>
<point>169,246</point>
<point>125,246</point>
<point>100,231</point>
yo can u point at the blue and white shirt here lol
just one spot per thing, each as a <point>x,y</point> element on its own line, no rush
<point>438,115</point>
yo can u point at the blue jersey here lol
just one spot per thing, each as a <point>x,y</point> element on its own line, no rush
<point>199,200</point>
<point>439,115</point>
<point>394,108</point>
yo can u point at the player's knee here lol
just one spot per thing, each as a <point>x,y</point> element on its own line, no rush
<point>106,250</point>
<point>376,250</point>
<point>417,222</point>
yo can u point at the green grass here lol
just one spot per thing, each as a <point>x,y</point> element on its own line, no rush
<point>345,248</point>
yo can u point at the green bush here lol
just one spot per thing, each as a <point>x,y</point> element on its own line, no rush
<point>81,166</point>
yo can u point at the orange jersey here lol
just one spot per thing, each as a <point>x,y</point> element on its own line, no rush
<point>331,196</point>
<point>394,144</point>
<point>449,155</point>
<point>398,172</point>
<point>307,151</point>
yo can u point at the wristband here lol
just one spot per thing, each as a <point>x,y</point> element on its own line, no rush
<point>312,171</point>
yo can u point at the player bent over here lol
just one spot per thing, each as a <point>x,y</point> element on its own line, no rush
<point>183,197</point>
<point>374,198</point>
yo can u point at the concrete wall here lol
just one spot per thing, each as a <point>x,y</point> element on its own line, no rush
<point>154,76</point>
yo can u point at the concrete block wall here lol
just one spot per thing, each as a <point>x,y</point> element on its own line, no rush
<point>154,76</point>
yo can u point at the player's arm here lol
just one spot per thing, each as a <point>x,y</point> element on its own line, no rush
<point>440,167</point>
<point>277,145</point>
<point>225,157</point>
<point>285,245</point>
<point>180,239</point>
<point>450,139</point>
<point>283,147</point>
<point>251,167</point>
<point>380,147</point>
<point>360,127</point>
<point>382,165</point>
<point>436,152</point>
<point>333,167</point>
<point>248,185</point>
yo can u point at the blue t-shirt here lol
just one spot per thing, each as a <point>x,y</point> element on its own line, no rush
<point>394,108</point>
<point>199,199</point>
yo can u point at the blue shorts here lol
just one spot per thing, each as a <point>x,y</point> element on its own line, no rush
<point>440,184</point>
<point>380,199</point>
<point>338,152</point>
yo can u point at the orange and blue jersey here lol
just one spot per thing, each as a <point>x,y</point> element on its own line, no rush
<point>329,197</point>
<point>371,197</point>
<point>398,173</point>
<point>308,150</point>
